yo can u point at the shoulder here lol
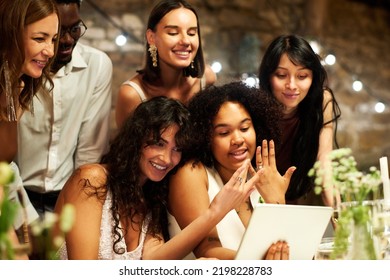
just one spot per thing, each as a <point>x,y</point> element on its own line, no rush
<point>190,172</point>
<point>210,75</point>
<point>128,99</point>
<point>328,95</point>
<point>92,54</point>
<point>88,175</point>
<point>327,104</point>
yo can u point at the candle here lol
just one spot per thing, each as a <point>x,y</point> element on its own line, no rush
<point>385,178</point>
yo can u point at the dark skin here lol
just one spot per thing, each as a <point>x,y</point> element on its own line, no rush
<point>69,16</point>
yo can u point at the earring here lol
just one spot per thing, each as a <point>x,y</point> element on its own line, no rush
<point>192,65</point>
<point>11,113</point>
<point>32,97</point>
<point>153,54</point>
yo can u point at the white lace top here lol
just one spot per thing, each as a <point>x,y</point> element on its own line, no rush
<point>107,238</point>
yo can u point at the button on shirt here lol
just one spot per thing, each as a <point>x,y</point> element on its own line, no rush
<point>70,125</point>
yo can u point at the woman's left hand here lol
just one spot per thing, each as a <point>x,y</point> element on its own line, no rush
<point>271,185</point>
<point>278,251</point>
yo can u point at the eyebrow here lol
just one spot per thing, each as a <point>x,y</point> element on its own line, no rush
<point>284,68</point>
<point>73,24</point>
<point>225,124</point>
<point>40,33</point>
<point>176,27</point>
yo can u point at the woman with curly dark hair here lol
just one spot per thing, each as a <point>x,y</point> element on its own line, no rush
<point>292,73</point>
<point>121,202</point>
<point>232,124</point>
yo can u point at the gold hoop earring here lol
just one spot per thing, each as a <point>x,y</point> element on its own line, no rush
<point>153,54</point>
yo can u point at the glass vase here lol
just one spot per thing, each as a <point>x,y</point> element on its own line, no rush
<point>354,236</point>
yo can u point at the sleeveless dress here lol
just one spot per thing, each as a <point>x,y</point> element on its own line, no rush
<point>230,228</point>
<point>107,239</point>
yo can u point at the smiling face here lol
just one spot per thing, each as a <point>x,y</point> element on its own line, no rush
<point>176,38</point>
<point>39,41</point>
<point>233,138</point>
<point>159,158</point>
<point>290,83</point>
<point>70,16</point>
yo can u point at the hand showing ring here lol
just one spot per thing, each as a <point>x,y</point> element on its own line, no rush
<point>259,165</point>
<point>239,179</point>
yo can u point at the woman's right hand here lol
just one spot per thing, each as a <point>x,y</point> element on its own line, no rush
<point>235,191</point>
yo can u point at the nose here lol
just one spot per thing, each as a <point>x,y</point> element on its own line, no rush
<point>237,139</point>
<point>166,156</point>
<point>291,83</point>
<point>184,40</point>
<point>66,38</point>
<point>49,50</point>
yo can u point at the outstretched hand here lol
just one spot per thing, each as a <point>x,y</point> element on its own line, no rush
<point>235,191</point>
<point>271,185</point>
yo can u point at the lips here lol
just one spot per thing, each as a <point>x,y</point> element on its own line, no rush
<point>291,95</point>
<point>239,154</point>
<point>184,54</point>
<point>159,167</point>
<point>67,51</point>
<point>40,63</point>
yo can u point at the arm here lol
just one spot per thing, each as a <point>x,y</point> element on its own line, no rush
<point>94,132</point>
<point>199,219</point>
<point>8,140</point>
<point>326,146</point>
<point>127,100</point>
<point>82,242</point>
<point>9,137</point>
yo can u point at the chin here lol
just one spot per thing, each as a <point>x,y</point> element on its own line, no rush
<point>35,75</point>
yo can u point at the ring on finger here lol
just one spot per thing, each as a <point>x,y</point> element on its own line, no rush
<point>239,179</point>
<point>260,166</point>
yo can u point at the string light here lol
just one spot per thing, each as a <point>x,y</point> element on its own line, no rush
<point>216,67</point>
<point>330,59</point>
<point>380,107</point>
<point>121,40</point>
<point>357,85</point>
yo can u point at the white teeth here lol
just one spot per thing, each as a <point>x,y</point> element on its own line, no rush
<point>41,63</point>
<point>158,166</point>
<point>182,53</point>
<point>238,153</point>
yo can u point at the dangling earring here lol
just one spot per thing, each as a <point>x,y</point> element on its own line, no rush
<point>153,54</point>
<point>192,65</point>
<point>11,113</point>
<point>32,97</point>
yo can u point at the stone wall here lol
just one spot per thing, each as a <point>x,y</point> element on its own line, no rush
<point>236,33</point>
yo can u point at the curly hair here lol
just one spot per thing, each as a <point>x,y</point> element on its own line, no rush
<point>144,127</point>
<point>151,74</point>
<point>204,107</point>
<point>14,17</point>
<point>310,110</point>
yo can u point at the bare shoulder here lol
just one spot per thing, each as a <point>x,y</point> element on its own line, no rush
<point>87,179</point>
<point>191,168</point>
<point>327,96</point>
<point>190,174</point>
<point>211,77</point>
<point>127,100</point>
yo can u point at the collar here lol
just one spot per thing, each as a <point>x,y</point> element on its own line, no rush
<point>77,62</point>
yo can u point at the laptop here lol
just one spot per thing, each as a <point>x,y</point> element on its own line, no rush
<point>302,226</point>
